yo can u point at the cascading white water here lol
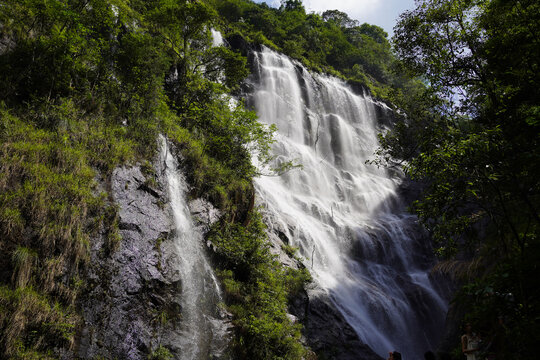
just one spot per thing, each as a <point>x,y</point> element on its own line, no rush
<point>344,215</point>
<point>217,38</point>
<point>204,333</point>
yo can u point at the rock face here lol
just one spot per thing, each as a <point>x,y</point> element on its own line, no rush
<point>132,290</point>
<point>325,330</point>
<point>131,304</point>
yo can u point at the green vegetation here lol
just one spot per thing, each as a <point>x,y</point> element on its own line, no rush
<point>329,42</point>
<point>472,136</point>
<point>86,86</point>
<point>160,353</point>
<point>49,210</point>
<point>257,287</point>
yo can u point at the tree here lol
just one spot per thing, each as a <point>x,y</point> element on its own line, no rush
<point>54,47</point>
<point>482,126</point>
<point>339,18</point>
<point>292,5</point>
<point>375,32</point>
<point>472,137</point>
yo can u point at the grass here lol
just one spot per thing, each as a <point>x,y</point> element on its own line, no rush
<point>87,93</point>
<point>50,209</point>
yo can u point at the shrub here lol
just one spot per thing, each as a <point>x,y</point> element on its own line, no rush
<point>258,288</point>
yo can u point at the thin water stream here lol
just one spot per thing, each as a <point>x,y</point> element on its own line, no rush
<point>204,331</point>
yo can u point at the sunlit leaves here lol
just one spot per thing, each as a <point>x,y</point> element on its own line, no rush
<point>474,145</point>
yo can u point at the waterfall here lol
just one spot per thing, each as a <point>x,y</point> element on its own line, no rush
<point>204,333</point>
<point>217,38</point>
<point>365,252</point>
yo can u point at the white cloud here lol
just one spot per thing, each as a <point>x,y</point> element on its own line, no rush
<point>383,13</point>
<point>352,7</point>
<point>274,3</point>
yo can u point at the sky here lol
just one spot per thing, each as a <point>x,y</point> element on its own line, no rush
<point>383,13</point>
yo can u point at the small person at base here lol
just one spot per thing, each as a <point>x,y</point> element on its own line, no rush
<point>394,355</point>
<point>470,343</point>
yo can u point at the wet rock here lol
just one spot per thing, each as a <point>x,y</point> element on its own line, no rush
<point>204,214</point>
<point>132,303</point>
<point>133,288</point>
<point>384,115</point>
<point>326,332</point>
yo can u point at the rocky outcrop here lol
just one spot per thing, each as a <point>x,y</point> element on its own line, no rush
<point>325,330</point>
<point>132,301</point>
<point>384,114</point>
<point>132,291</point>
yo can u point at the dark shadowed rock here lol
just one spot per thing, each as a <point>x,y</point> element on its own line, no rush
<point>239,43</point>
<point>384,114</point>
<point>325,329</point>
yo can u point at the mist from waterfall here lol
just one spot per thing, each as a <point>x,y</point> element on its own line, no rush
<point>363,249</point>
<point>204,332</point>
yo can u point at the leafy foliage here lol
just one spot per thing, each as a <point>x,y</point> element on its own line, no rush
<point>472,136</point>
<point>86,86</point>
<point>324,42</point>
<point>258,287</point>
<point>49,210</point>
<point>160,353</point>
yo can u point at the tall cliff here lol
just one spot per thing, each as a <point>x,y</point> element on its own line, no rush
<point>368,257</point>
<point>147,213</point>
